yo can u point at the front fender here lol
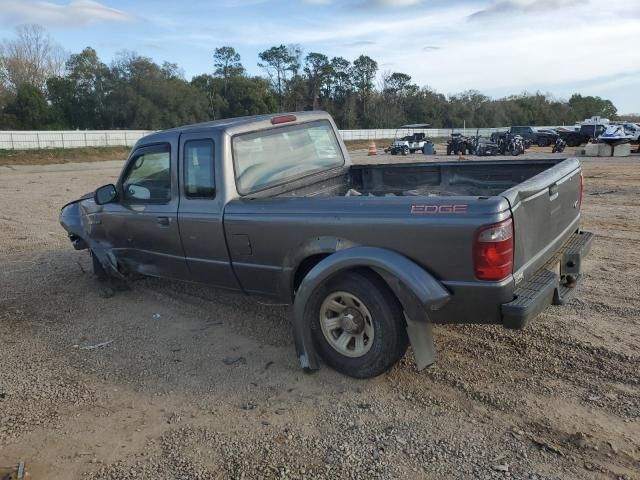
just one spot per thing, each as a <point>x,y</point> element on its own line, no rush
<point>416,289</point>
<point>74,220</point>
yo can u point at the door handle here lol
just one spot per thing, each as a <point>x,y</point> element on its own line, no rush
<point>163,221</point>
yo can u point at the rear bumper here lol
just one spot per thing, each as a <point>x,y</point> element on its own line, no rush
<point>548,286</point>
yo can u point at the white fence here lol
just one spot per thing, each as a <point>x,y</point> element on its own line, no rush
<point>25,140</point>
<point>430,132</point>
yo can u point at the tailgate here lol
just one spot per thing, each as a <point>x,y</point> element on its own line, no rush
<point>546,211</point>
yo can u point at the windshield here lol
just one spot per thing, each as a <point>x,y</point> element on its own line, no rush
<point>266,158</point>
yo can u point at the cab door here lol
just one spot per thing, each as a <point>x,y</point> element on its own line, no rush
<point>200,213</point>
<point>142,225</point>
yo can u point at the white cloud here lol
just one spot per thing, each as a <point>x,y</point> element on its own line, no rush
<point>556,46</point>
<point>501,7</point>
<point>393,3</point>
<point>75,12</point>
<point>371,3</point>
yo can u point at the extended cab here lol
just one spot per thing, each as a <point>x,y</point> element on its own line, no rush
<point>369,256</point>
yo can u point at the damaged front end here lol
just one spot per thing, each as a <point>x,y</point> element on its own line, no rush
<point>80,219</point>
<point>71,221</point>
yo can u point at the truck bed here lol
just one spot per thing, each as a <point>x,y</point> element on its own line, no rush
<point>466,178</point>
<point>542,197</point>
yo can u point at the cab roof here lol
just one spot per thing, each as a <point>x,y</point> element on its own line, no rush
<point>236,125</point>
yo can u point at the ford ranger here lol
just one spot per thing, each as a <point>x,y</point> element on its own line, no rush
<point>368,256</point>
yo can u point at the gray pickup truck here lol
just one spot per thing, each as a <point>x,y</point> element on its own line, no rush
<point>369,256</point>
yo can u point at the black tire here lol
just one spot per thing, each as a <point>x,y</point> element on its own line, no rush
<point>405,150</point>
<point>390,339</point>
<point>542,142</point>
<point>448,150</point>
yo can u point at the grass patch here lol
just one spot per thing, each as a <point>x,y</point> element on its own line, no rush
<point>62,155</point>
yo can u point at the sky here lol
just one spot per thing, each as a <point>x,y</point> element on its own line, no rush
<point>499,47</point>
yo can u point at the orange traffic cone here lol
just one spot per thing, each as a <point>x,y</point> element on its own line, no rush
<point>372,148</point>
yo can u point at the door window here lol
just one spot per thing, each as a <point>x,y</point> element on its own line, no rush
<point>149,177</point>
<point>199,179</point>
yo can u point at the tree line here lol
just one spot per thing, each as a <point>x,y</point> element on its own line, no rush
<point>41,87</point>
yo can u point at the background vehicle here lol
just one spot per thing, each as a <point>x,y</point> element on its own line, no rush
<point>615,135</point>
<point>542,137</point>
<point>559,146</point>
<point>459,144</point>
<point>582,133</point>
<point>484,147</point>
<point>411,142</point>
<point>370,256</point>
<point>633,130</point>
<point>511,145</point>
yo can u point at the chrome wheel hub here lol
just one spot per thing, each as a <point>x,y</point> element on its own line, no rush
<point>346,324</point>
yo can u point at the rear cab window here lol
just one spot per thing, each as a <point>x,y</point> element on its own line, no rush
<point>272,157</point>
<point>199,178</point>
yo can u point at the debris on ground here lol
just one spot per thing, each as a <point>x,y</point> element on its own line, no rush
<point>97,345</point>
<point>234,360</point>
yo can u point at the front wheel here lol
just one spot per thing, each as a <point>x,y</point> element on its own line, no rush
<point>357,324</point>
<point>405,151</point>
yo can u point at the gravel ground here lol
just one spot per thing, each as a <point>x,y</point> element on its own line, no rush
<point>201,384</point>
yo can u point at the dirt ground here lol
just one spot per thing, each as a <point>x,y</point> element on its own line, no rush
<point>201,384</point>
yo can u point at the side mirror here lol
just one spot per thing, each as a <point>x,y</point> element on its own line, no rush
<point>105,194</point>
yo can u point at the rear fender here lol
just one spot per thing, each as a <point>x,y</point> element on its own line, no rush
<point>417,291</point>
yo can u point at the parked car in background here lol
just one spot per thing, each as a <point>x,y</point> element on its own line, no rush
<point>633,130</point>
<point>581,134</point>
<point>369,256</point>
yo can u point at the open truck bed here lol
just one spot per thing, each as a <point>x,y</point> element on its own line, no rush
<point>462,178</point>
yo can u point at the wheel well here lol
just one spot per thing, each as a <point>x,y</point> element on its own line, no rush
<point>305,267</point>
<point>308,263</point>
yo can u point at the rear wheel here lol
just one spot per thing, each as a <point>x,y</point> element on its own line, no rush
<point>357,324</point>
<point>405,150</point>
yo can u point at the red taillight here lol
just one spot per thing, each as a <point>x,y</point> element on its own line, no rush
<point>493,251</point>
<point>581,191</point>
<point>283,119</point>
